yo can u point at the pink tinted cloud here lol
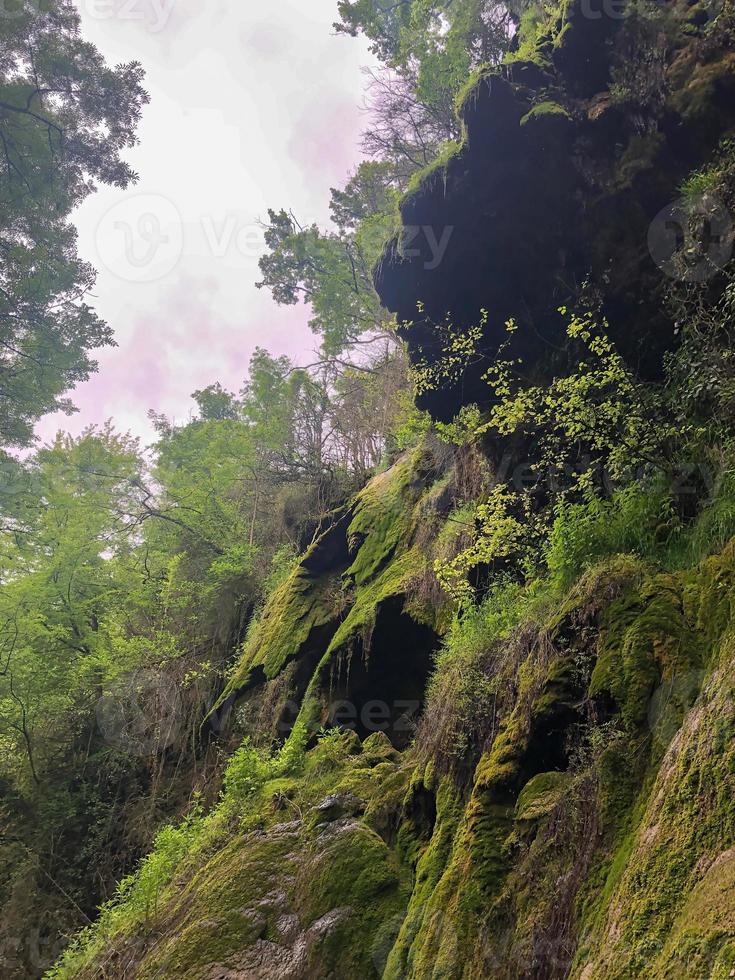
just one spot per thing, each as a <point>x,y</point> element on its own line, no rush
<point>327,144</point>
<point>162,359</point>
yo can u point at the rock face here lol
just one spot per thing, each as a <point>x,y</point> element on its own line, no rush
<point>593,838</point>
<point>591,834</point>
<point>572,150</point>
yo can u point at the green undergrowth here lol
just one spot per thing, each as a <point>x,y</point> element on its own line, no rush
<point>437,169</point>
<point>619,661</point>
<point>545,110</point>
<point>533,29</point>
<point>202,894</point>
<point>571,776</point>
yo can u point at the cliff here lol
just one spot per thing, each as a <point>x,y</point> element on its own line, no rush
<point>570,152</point>
<point>541,787</point>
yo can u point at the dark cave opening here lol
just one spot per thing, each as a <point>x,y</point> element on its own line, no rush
<point>382,688</point>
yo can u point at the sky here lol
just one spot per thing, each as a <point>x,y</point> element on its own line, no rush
<point>253,105</point>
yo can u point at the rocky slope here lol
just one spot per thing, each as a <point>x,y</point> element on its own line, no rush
<point>594,839</point>
<point>565,807</point>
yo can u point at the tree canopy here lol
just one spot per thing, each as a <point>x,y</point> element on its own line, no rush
<point>65,119</point>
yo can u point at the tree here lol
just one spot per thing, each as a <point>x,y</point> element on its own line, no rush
<point>441,36</point>
<point>428,48</point>
<point>331,271</point>
<point>59,584</point>
<point>65,118</point>
<point>406,131</point>
<point>215,403</point>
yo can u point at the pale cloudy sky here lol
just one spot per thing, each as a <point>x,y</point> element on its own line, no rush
<point>253,105</point>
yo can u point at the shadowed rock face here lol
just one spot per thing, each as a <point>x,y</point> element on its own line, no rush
<point>557,185</point>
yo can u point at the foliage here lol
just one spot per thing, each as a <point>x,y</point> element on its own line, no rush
<point>457,350</point>
<point>427,50</point>
<point>639,519</point>
<point>590,430</point>
<point>503,529</point>
<point>331,271</point>
<point>115,562</point>
<point>465,690</point>
<point>598,412</point>
<point>702,369</point>
<point>434,42</point>
<point>65,119</point>
<point>463,428</point>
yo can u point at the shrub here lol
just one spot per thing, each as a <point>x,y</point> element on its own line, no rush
<point>638,520</point>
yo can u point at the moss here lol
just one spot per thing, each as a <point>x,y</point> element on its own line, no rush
<point>467,93</point>
<point>394,581</point>
<point>381,521</point>
<point>343,578</point>
<point>695,82</point>
<point>596,589</point>
<point>331,882</point>
<point>646,638</point>
<point>217,913</point>
<point>436,170</point>
<point>708,595</point>
<point>540,795</point>
<point>661,918</point>
<point>545,111</point>
<point>704,930</point>
<point>298,607</point>
<point>639,156</point>
<point>628,854</point>
<point>424,915</point>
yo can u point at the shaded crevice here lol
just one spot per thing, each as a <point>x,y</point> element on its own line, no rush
<point>303,669</point>
<point>381,685</point>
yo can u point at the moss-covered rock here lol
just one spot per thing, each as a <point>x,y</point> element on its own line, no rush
<point>571,149</point>
<point>540,796</point>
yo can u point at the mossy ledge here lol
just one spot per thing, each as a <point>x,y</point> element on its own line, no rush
<point>596,833</point>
